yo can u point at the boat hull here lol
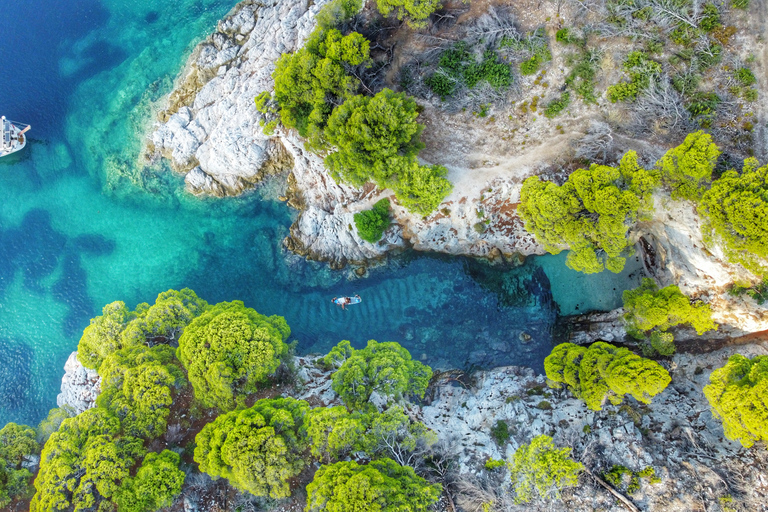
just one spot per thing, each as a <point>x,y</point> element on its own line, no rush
<point>12,137</point>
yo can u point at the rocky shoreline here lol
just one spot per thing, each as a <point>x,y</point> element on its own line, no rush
<point>676,434</point>
<point>210,131</point>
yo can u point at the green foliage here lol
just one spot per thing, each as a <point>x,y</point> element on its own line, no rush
<point>368,132</point>
<point>735,209</point>
<point>663,343</point>
<point>564,36</point>
<point>118,327</point>
<point>582,77</point>
<point>84,462</point>
<point>156,483</point>
<point>539,469</point>
<point>494,464</point>
<point>710,19</point>
<point>604,371</point>
<point>415,12</point>
<point>641,70</point>
<point>740,4</point>
<point>615,477</point>
<point>229,350</point>
<point>459,67</point>
<point>51,424</point>
<point>138,385</point>
<point>738,395</point>
<point>380,486</point>
<point>490,69</point>
<point>687,169</point>
<point>530,66</point>
<point>309,82</point>
<point>500,432</point>
<point>334,432</point>
<point>555,107</point>
<point>16,442</point>
<point>103,335</point>
<point>703,107</point>
<point>590,214</point>
<point>386,368</point>
<point>648,307</point>
<point>372,223</point>
<point>257,449</point>
<point>420,188</point>
<point>337,12</point>
<point>745,76</point>
<point>165,320</point>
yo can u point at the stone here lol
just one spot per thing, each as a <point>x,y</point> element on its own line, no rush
<point>80,386</point>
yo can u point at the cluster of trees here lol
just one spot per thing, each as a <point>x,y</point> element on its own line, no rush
<point>16,443</point>
<point>367,138</point>
<point>650,311</point>
<point>591,213</point>
<point>415,12</point>
<point>603,372</point>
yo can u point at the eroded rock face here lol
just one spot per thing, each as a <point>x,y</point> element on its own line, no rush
<point>80,386</point>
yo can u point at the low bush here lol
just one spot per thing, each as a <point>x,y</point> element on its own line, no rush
<point>500,432</point>
<point>372,223</point>
<point>541,470</point>
<point>555,107</point>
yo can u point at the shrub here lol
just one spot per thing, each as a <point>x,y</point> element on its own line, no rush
<point>367,132</point>
<point>582,78</point>
<point>386,368</point>
<point>500,432</point>
<point>155,485</point>
<point>229,350</point>
<point>50,424</point>
<point>16,443</point>
<point>740,4</point>
<point>91,456</point>
<point>138,384</point>
<point>648,307</point>
<point>420,188</point>
<point>334,432</point>
<point>494,464</point>
<point>539,469</point>
<point>663,343</point>
<point>259,449</point>
<point>415,12</point>
<point>604,371</point>
<point>641,70</point>
<point>687,169</point>
<point>372,223</point>
<point>590,214</point>
<point>336,12</point>
<point>703,106</point>
<point>555,107</point>
<point>530,66</point>
<point>309,82</point>
<point>710,19</point>
<point>737,394</point>
<point>564,36</point>
<point>382,485</point>
<point>745,76</point>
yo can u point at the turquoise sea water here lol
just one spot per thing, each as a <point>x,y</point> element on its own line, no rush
<point>82,224</point>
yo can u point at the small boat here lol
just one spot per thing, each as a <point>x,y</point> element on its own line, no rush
<point>346,301</point>
<point>12,138</point>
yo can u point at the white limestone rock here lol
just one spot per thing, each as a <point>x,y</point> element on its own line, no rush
<point>80,386</point>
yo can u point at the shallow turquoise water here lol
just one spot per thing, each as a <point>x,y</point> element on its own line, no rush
<point>81,224</point>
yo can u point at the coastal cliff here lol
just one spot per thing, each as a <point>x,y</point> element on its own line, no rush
<point>211,132</point>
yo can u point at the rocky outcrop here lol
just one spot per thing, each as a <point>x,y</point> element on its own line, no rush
<point>211,132</point>
<point>80,386</point>
<point>676,435</point>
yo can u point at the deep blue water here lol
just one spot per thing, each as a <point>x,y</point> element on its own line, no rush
<point>82,223</point>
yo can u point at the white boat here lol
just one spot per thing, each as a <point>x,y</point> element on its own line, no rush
<point>12,138</point>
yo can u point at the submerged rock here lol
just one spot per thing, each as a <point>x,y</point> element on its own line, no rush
<point>80,386</point>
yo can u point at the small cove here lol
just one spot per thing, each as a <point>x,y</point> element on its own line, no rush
<point>81,225</point>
